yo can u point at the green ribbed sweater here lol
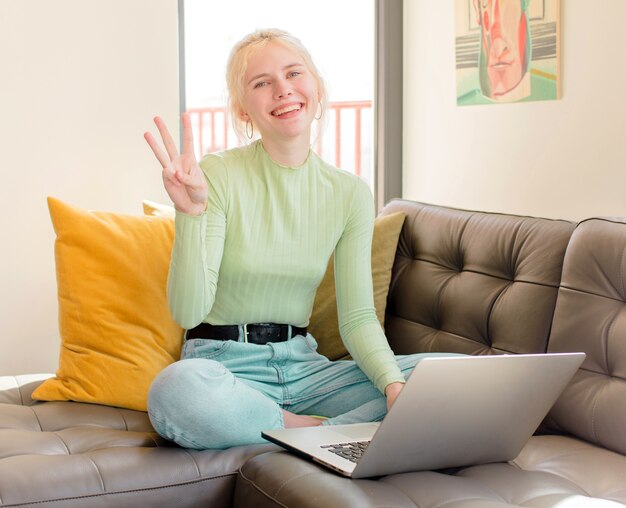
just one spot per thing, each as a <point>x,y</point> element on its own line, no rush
<point>259,252</point>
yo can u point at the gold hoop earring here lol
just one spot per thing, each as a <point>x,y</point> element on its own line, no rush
<point>251,133</point>
<point>321,110</point>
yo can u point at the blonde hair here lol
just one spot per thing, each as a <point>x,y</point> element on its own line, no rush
<point>237,65</point>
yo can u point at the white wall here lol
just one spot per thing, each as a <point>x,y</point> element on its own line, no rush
<point>561,159</point>
<point>81,81</point>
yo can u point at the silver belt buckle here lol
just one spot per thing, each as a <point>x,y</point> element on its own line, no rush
<point>245,333</point>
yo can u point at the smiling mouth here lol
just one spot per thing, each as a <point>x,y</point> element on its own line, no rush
<point>287,109</point>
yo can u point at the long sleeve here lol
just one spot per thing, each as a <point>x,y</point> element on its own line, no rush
<point>197,252</point>
<point>359,327</point>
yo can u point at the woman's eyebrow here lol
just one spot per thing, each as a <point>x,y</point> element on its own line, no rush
<point>265,74</point>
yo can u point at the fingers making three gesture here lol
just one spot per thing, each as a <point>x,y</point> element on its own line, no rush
<point>183,179</point>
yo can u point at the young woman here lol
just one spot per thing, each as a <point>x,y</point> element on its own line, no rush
<point>255,228</point>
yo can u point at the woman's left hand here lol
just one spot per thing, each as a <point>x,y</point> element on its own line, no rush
<point>392,390</point>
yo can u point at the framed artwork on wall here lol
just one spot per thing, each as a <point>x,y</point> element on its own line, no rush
<point>507,51</point>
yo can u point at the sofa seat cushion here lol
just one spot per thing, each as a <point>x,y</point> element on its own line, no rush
<point>598,471</point>
<point>76,454</point>
<point>551,471</point>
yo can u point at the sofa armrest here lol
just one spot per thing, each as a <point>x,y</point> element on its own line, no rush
<point>18,389</point>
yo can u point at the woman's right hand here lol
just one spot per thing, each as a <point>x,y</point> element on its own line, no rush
<point>183,179</point>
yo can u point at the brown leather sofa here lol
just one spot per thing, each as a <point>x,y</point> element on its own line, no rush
<point>463,281</point>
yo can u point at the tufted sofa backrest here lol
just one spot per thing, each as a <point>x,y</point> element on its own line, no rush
<point>590,316</point>
<point>473,282</point>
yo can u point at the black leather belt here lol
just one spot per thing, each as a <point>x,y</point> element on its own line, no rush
<point>258,333</point>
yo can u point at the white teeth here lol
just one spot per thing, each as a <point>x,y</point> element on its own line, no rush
<point>282,111</point>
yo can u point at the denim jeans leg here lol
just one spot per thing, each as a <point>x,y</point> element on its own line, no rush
<point>198,403</point>
<point>343,393</point>
<point>224,393</point>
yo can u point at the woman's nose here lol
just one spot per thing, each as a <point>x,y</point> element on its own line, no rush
<point>282,89</point>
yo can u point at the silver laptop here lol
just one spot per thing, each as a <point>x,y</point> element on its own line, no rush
<point>453,412</point>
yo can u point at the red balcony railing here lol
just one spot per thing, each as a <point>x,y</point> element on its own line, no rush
<point>213,132</point>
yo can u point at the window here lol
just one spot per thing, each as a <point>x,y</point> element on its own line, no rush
<point>342,38</point>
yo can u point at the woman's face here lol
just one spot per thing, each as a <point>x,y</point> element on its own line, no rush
<point>280,93</point>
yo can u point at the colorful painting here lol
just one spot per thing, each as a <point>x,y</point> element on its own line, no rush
<point>507,51</point>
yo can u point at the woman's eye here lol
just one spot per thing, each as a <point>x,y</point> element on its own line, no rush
<point>260,84</point>
<point>294,74</point>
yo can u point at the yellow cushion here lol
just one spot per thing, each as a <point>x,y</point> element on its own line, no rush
<point>324,324</point>
<point>115,326</point>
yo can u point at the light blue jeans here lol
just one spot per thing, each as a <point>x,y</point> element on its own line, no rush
<point>224,393</point>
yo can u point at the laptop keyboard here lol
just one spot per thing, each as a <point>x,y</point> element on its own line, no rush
<point>350,451</point>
